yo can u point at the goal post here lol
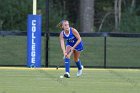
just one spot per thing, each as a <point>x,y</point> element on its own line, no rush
<point>34,38</point>
<point>34,7</point>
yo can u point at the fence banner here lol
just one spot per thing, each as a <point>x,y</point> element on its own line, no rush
<point>34,41</point>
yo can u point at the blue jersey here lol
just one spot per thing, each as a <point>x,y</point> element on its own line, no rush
<point>71,40</point>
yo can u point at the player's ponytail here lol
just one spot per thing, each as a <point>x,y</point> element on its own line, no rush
<point>59,25</point>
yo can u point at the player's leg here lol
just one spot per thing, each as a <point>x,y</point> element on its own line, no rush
<point>78,62</point>
<point>67,63</point>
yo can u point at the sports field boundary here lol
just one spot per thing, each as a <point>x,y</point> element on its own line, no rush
<point>53,69</point>
<point>105,54</point>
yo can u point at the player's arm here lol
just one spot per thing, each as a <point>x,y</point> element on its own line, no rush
<point>77,35</point>
<point>62,43</point>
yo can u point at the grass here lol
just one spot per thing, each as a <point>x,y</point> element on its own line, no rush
<point>46,80</point>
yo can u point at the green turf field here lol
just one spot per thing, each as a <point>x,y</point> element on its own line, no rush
<point>46,80</point>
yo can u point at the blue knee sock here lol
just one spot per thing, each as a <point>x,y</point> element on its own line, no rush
<point>78,64</point>
<point>67,65</point>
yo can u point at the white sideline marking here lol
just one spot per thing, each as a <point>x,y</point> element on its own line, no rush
<point>92,69</point>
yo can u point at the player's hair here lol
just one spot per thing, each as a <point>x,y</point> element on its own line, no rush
<point>59,25</point>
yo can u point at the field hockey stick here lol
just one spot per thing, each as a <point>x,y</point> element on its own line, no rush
<point>69,53</point>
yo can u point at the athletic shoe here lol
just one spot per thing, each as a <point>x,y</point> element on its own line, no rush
<point>79,73</point>
<point>67,75</point>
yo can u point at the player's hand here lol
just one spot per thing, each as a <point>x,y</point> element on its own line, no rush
<point>70,52</point>
<point>68,56</point>
<point>65,53</point>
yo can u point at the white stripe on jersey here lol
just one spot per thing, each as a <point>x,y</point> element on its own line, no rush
<point>66,34</point>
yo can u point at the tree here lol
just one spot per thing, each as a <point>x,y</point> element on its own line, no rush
<point>133,5</point>
<point>13,14</point>
<point>130,16</point>
<point>87,15</point>
<point>117,12</point>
